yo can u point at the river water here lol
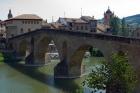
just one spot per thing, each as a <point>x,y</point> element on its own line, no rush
<point>26,79</point>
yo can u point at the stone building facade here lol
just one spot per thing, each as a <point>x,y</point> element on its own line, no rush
<point>85,23</point>
<point>22,24</point>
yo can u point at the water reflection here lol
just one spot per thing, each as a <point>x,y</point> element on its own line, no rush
<point>25,79</point>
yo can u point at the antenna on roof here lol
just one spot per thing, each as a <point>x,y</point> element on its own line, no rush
<point>81,11</point>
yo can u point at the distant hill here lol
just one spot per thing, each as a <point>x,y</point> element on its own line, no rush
<point>133,20</point>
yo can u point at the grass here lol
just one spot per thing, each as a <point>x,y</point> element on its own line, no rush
<point>1,57</point>
<point>6,57</point>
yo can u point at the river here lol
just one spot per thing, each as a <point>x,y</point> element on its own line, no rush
<point>26,79</point>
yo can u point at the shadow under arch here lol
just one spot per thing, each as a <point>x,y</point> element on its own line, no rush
<point>23,49</point>
<point>61,69</point>
<point>45,49</point>
<point>75,65</point>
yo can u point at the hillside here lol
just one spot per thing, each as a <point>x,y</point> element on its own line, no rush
<point>133,20</point>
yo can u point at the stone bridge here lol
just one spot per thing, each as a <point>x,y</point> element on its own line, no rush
<point>71,46</point>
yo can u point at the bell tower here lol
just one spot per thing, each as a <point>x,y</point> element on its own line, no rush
<point>10,14</point>
<point>107,16</point>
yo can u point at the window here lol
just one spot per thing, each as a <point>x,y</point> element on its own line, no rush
<point>21,30</point>
<point>86,28</point>
<point>70,24</point>
<point>29,29</point>
<point>77,28</point>
<point>81,27</point>
<point>23,22</point>
<point>28,22</point>
<point>31,22</point>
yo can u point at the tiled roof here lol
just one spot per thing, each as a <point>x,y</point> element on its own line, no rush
<point>75,20</point>
<point>101,27</point>
<point>27,16</point>
<point>87,18</point>
<point>56,25</point>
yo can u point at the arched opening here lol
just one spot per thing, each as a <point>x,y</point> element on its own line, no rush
<point>52,54</point>
<point>83,60</point>
<point>10,46</point>
<point>23,49</point>
<point>46,51</point>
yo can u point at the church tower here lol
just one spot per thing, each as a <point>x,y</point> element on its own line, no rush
<point>107,16</point>
<point>10,14</point>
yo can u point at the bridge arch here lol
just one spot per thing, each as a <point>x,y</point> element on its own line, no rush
<point>42,49</point>
<point>75,64</point>
<point>23,49</point>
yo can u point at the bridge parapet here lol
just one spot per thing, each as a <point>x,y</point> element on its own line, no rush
<point>93,35</point>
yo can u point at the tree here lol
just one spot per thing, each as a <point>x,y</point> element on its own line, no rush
<point>124,30</point>
<point>116,76</point>
<point>95,52</point>
<point>115,25</point>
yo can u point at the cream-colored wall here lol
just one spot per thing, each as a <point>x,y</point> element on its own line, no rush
<point>19,24</point>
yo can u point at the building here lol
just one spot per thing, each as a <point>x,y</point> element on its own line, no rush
<point>85,23</point>
<point>22,24</point>
<point>2,29</point>
<point>107,16</point>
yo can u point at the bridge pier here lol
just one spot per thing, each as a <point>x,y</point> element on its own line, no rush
<point>29,59</point>
<point>61,70</point>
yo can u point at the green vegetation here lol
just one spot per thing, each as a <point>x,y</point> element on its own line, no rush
<point>1,57</point>
<point>119,26</point>
<point>7,57</point>
<point>124,28</point>
<point>116,76</point>
<point>115,25</point>
<point>94,52</point>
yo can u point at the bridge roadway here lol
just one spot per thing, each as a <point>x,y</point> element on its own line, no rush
<point>71,46</point>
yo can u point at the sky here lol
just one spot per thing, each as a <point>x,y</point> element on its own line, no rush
<point>53,9</point>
